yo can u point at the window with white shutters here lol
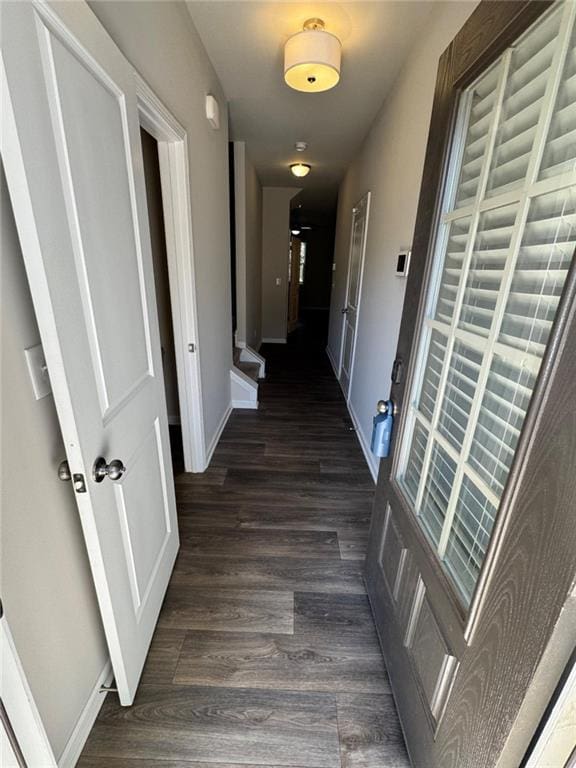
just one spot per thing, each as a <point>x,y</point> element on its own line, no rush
<point>506,239</point>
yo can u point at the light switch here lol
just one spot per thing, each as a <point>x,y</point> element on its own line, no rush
<point>38,371</point>
<point>278,281</point>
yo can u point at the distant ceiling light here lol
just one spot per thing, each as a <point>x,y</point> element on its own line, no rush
<point>312,58</point>
<point>301,146</point>
<point>295,231</point>
<point>300,169</point>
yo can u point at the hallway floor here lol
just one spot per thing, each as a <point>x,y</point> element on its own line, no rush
<point>265,653</point>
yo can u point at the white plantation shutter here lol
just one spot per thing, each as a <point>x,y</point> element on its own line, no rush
<point>506,241</point>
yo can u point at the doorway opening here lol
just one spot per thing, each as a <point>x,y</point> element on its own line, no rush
<point>162,289</point>
<point>310,261</point>
<point>181,356</point>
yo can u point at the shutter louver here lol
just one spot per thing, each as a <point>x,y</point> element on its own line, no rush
<point>415,461</point>
<point>486,269</point>
<point>437,492</point>
<point>429,393</point>
<point>521,107</point>
<point>560,149</point>
<point>459,393</point>
<point>506,398</point>
<point>453,264</point>
<point>545,255</point>
<point>469,537</point>
<point>483,99</point>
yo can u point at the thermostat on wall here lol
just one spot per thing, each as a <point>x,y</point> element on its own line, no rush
<point>403,262</point>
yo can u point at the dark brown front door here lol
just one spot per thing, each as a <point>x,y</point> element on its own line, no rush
<point>473,543</point>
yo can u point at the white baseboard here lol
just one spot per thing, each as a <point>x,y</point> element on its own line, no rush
<point>274,341</point>
<point>217,434</point>
<point>332,362</point>
<point>86,721</point>
<point>251,404</point>
<point>371,460</point>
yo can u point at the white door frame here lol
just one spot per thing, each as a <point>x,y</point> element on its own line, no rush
<point>366,197</point>
<point>172,140</point>
<point>19,704</point>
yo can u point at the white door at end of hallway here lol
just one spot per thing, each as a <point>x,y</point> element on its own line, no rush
<point>350,311</point>
<point>73,161</point>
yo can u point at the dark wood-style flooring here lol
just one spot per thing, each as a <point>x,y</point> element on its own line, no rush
<point>266,653</point>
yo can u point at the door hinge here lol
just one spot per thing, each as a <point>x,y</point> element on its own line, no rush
<point>191,347</point>
<point>108,689</point>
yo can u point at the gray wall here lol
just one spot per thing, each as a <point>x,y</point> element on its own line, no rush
<point>275,251</point>
<point>45,582</point>
<point>248,207</point>
<point>161,280</point>
<point>160,40</point>
<point>390,165</point>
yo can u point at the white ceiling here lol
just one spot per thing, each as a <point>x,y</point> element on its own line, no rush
<point>245,39</point>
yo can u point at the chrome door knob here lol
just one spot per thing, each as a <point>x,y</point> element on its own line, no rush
<point>64,473</point>
<point>101,469</point>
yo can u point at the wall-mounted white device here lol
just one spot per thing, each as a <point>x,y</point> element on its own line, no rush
<point>403,262</point>
<point>212,112</point>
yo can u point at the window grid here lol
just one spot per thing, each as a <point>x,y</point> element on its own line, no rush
<point>491,345</point>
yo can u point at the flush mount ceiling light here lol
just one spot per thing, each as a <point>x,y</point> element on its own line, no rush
<point>300,169</point>
<point>312,58</point>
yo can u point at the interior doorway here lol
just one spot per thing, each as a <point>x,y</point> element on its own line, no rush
<point>162,286</point>
<point>172,164</point>
<point>296,272</point>
<point>310,262</point>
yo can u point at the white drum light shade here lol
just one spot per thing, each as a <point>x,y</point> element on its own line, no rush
<point>300,169</point>
<point>312,59</point>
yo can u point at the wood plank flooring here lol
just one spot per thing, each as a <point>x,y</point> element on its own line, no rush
<point>265,653</point>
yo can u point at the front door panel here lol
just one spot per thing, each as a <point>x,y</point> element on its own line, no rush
<point>449,567</point>
<point>71,148</point>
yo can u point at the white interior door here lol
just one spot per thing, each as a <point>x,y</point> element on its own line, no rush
<point>73,160</point>
<point>353,292</point>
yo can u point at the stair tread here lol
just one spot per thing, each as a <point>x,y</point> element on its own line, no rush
<point>250,369</point>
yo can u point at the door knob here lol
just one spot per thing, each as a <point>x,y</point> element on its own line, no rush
<point>64,473</point>
<point>345,310</point>
<point>102,469</point>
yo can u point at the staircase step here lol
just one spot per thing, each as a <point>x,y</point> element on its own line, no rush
<point>250,369</point>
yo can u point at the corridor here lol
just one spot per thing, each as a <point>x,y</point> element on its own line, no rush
<point>265,652</point>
